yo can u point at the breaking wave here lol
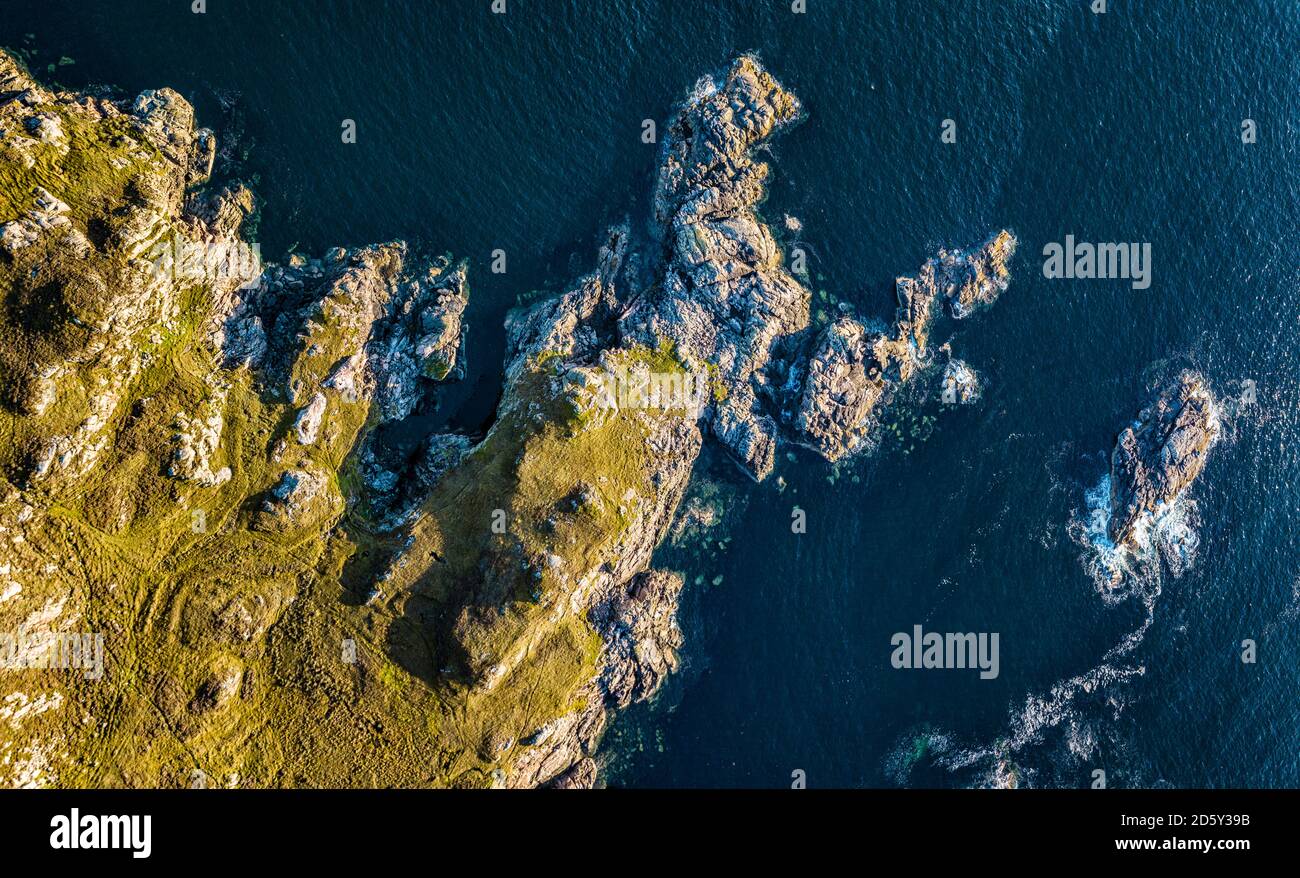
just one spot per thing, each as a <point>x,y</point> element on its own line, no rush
<point>1166,539</point>
<point>1070,704</point>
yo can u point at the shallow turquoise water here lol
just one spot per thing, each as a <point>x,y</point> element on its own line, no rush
<point>522,132</point>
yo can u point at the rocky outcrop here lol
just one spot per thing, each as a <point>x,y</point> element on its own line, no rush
<point>127,289</point>
<point>851,371</point>
<point>976,279</point>
<point>582,776</point>
<point>374,324</point>
<point>295,500</point>
<point>564,579</point>
<point>491,591</point>
<point>419,341</point>
<point>845,381</point>
<point>957,281</point>
<point>725,298</point>
<point>960,385</point>
<point>83,271</point>
<point>197,440</point>
<point>395,494</point>
<point>637,622</point>
<point>47,214</point>
<point>307,425</point>
<point>1159,455</point>
<point>723,303</point>
<point>577,325</point>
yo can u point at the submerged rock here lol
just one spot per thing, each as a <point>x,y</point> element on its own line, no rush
<point>1159,456</point>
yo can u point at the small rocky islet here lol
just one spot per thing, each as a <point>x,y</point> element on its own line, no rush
<point>1159,455</point>
<point>191,466</point>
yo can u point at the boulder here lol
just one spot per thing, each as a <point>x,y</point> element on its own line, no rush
<point>307,425</point>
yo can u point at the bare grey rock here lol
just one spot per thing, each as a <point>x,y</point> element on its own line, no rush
<point>299,498</point>
<point>582,776</point>
<point>576,325</point>
<point>962,281</point>
<point>46,214</point>
<point>638,623</point>
<point>197,440</point>
<point>307,425</point>
<point>393,322</point>
<point>843,386</point>
<point>960,384</point>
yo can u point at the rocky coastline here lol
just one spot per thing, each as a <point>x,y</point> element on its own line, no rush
<point>196,456</point>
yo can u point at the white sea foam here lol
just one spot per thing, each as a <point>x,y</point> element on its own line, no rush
<point>994,763</point>
<point>1028,723</point>
<point>917,745</point>
<point>1166,538</point>
<point>705,87</point>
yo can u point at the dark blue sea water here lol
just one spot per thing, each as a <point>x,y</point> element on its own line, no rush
<point>522,132</point>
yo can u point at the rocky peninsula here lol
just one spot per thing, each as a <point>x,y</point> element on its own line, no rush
<point>191,461</point>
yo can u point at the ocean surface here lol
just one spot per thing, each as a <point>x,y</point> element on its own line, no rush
<point>523,132</point>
